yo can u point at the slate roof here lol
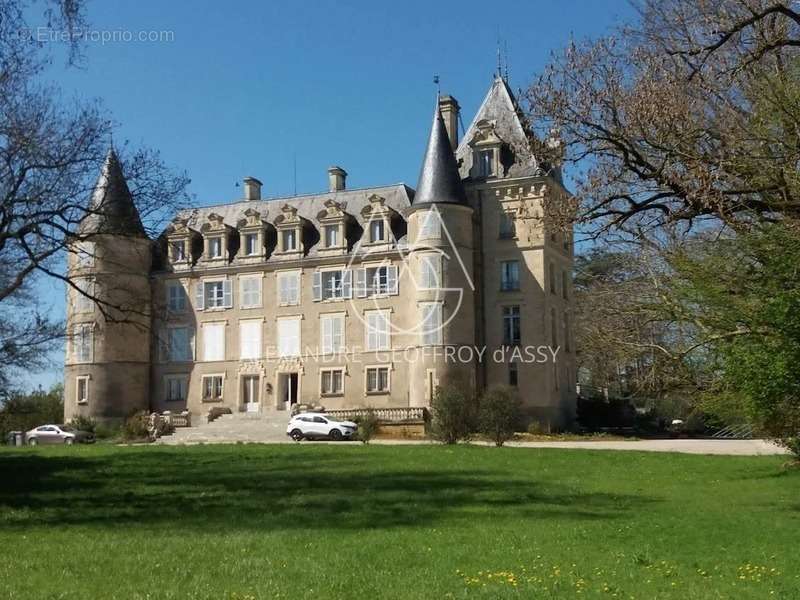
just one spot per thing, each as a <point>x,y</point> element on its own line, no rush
<point>439,180</point>
<point>111,208</point>
<point>501,107</point>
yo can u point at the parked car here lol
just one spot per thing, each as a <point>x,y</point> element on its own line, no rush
<point>315,426</point>
<point>58,434</point>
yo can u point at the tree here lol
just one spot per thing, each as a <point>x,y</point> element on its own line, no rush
<point>499,413</point>
<point>51,151</point>
<point>453,414</point>
<point>21,412</point>
<point>688,114</point>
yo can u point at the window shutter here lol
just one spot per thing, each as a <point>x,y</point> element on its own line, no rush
<point>317,286</point>
<point>391,280</point>
<point>163,345</point>
<point>337,334</point>
<point>227,294</point>
<point>361,283</point>
<point>199,296</point>
<point>347,283</point>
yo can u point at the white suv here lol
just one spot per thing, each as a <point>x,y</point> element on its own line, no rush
<point>319,426</point>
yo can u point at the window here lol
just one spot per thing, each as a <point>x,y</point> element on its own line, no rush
<point>552,278</point>
<point>511,326</point>
<point>179,344</point>
<point>212,387</point>
<point>85,254</point>
<point>332,285</point>
<point>83,295</point>
<point>176,297</point>
<point>331,333</point>
<point>513,374</point>
<point>376,281</point>
<point>82,389</point>
<point>214,294</point>
<point>509,275</point>
<point>289,337</point>
<point>485,160</point>
<point>564,285</point>
<point>431,226</point>
<point>431,319</point>
<point>430,271</point>
<point>178,251</point>
<point>376,230</point>
<point>250,339</point>
<point>331,382</point>
<point>215,247</point>
<point>213,341</point>
<point>507,227</point>
<point>289,288</point>
<point>82,341</point>
<point>250,291</point>
<point>377,380</point>
<point>175,388</point>
<point>566,331</point>
<point>251,244</point>
<point>553,328</point>
<point>289,240</point>
<point>331,236</point>
<point>377,329</point>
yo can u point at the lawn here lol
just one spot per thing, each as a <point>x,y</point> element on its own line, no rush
<point>308,521</point>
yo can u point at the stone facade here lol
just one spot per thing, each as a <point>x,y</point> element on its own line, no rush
<point>348,298</point>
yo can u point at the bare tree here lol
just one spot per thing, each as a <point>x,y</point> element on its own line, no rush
<point>51,152</point>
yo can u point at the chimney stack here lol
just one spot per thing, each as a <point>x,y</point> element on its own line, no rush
<point>449,108</point>
<point>252,188</point>
<point>337,178</point>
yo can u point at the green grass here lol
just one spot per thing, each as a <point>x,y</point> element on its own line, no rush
<point>308,521</point>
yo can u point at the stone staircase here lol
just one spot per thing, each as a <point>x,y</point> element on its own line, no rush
<point>263,427</point>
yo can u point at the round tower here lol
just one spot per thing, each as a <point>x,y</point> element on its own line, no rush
<point>107,364</point>
<point>440,258</point>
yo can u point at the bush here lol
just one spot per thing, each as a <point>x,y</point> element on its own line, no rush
<point>499,413</point>
<point>453,414</point>
<point>367,426</point>
<point>84,423</point>
<point>21,412</point>
<point>135,427</point>
<point>537,428</point>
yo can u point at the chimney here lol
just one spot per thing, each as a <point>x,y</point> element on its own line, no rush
<point>252,188</point>
<point>450,109</point>
<point>337,178</point>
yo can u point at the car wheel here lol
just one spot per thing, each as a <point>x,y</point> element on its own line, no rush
<point>69,441</point>
<point>296,435</point>
<point>335,434</point>
<point>33,442</point>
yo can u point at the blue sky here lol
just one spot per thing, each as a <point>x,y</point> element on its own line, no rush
<point>246,88</point>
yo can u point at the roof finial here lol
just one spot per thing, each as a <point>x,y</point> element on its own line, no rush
<point>499,59</point>
<point>438,87</point>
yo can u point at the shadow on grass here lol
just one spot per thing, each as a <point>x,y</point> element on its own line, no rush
<point>258,489</point>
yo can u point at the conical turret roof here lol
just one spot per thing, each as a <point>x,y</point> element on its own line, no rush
<point>111,208</point>
<point>439,180</point>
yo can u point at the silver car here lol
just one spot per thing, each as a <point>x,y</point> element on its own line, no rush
<point>57,434</point>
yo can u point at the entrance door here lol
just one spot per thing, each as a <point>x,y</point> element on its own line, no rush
<point>287,383</point>
<point>250,390</point>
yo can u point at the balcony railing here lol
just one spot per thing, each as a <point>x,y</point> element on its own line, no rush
<point>387,415</point>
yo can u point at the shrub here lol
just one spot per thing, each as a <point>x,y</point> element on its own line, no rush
<point>499,413</point>
<point>84,423</point>
<point>453,414</point>
<point>537,428</point>
<point>367,426</point>
<point>135,427</point>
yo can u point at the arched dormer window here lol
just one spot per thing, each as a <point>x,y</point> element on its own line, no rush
<point>486,149</point>
<point>256,237</point>
<point>217,238</point>
<point>336,228</point>
<point>295,234</point>
<point>382,224</point>
<point>181,243</point>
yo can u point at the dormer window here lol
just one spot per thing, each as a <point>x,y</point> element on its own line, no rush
<point>289,240</point>
<point>485,163</point>
<point>215,247</point>
<point>251,244</point>
<point>178,251</point>
<point>377,230</point>
<point>331,236</point>
<point>507,229</point>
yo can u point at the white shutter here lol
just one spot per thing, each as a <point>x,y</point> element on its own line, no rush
<point>199,296</point>
<point>289,337</point>
<point>337,333</point>
<point>391,280</point>
<point>347,283</point>
<point>431,323</point>
<point>316,287</point>
<point>213,341</point>
<point>250,339</point>
<point>361,283</point>
<point>227,294</point>
<point>377,330</point>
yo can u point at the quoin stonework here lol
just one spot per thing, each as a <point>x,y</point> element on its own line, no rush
<point>349,298</point>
